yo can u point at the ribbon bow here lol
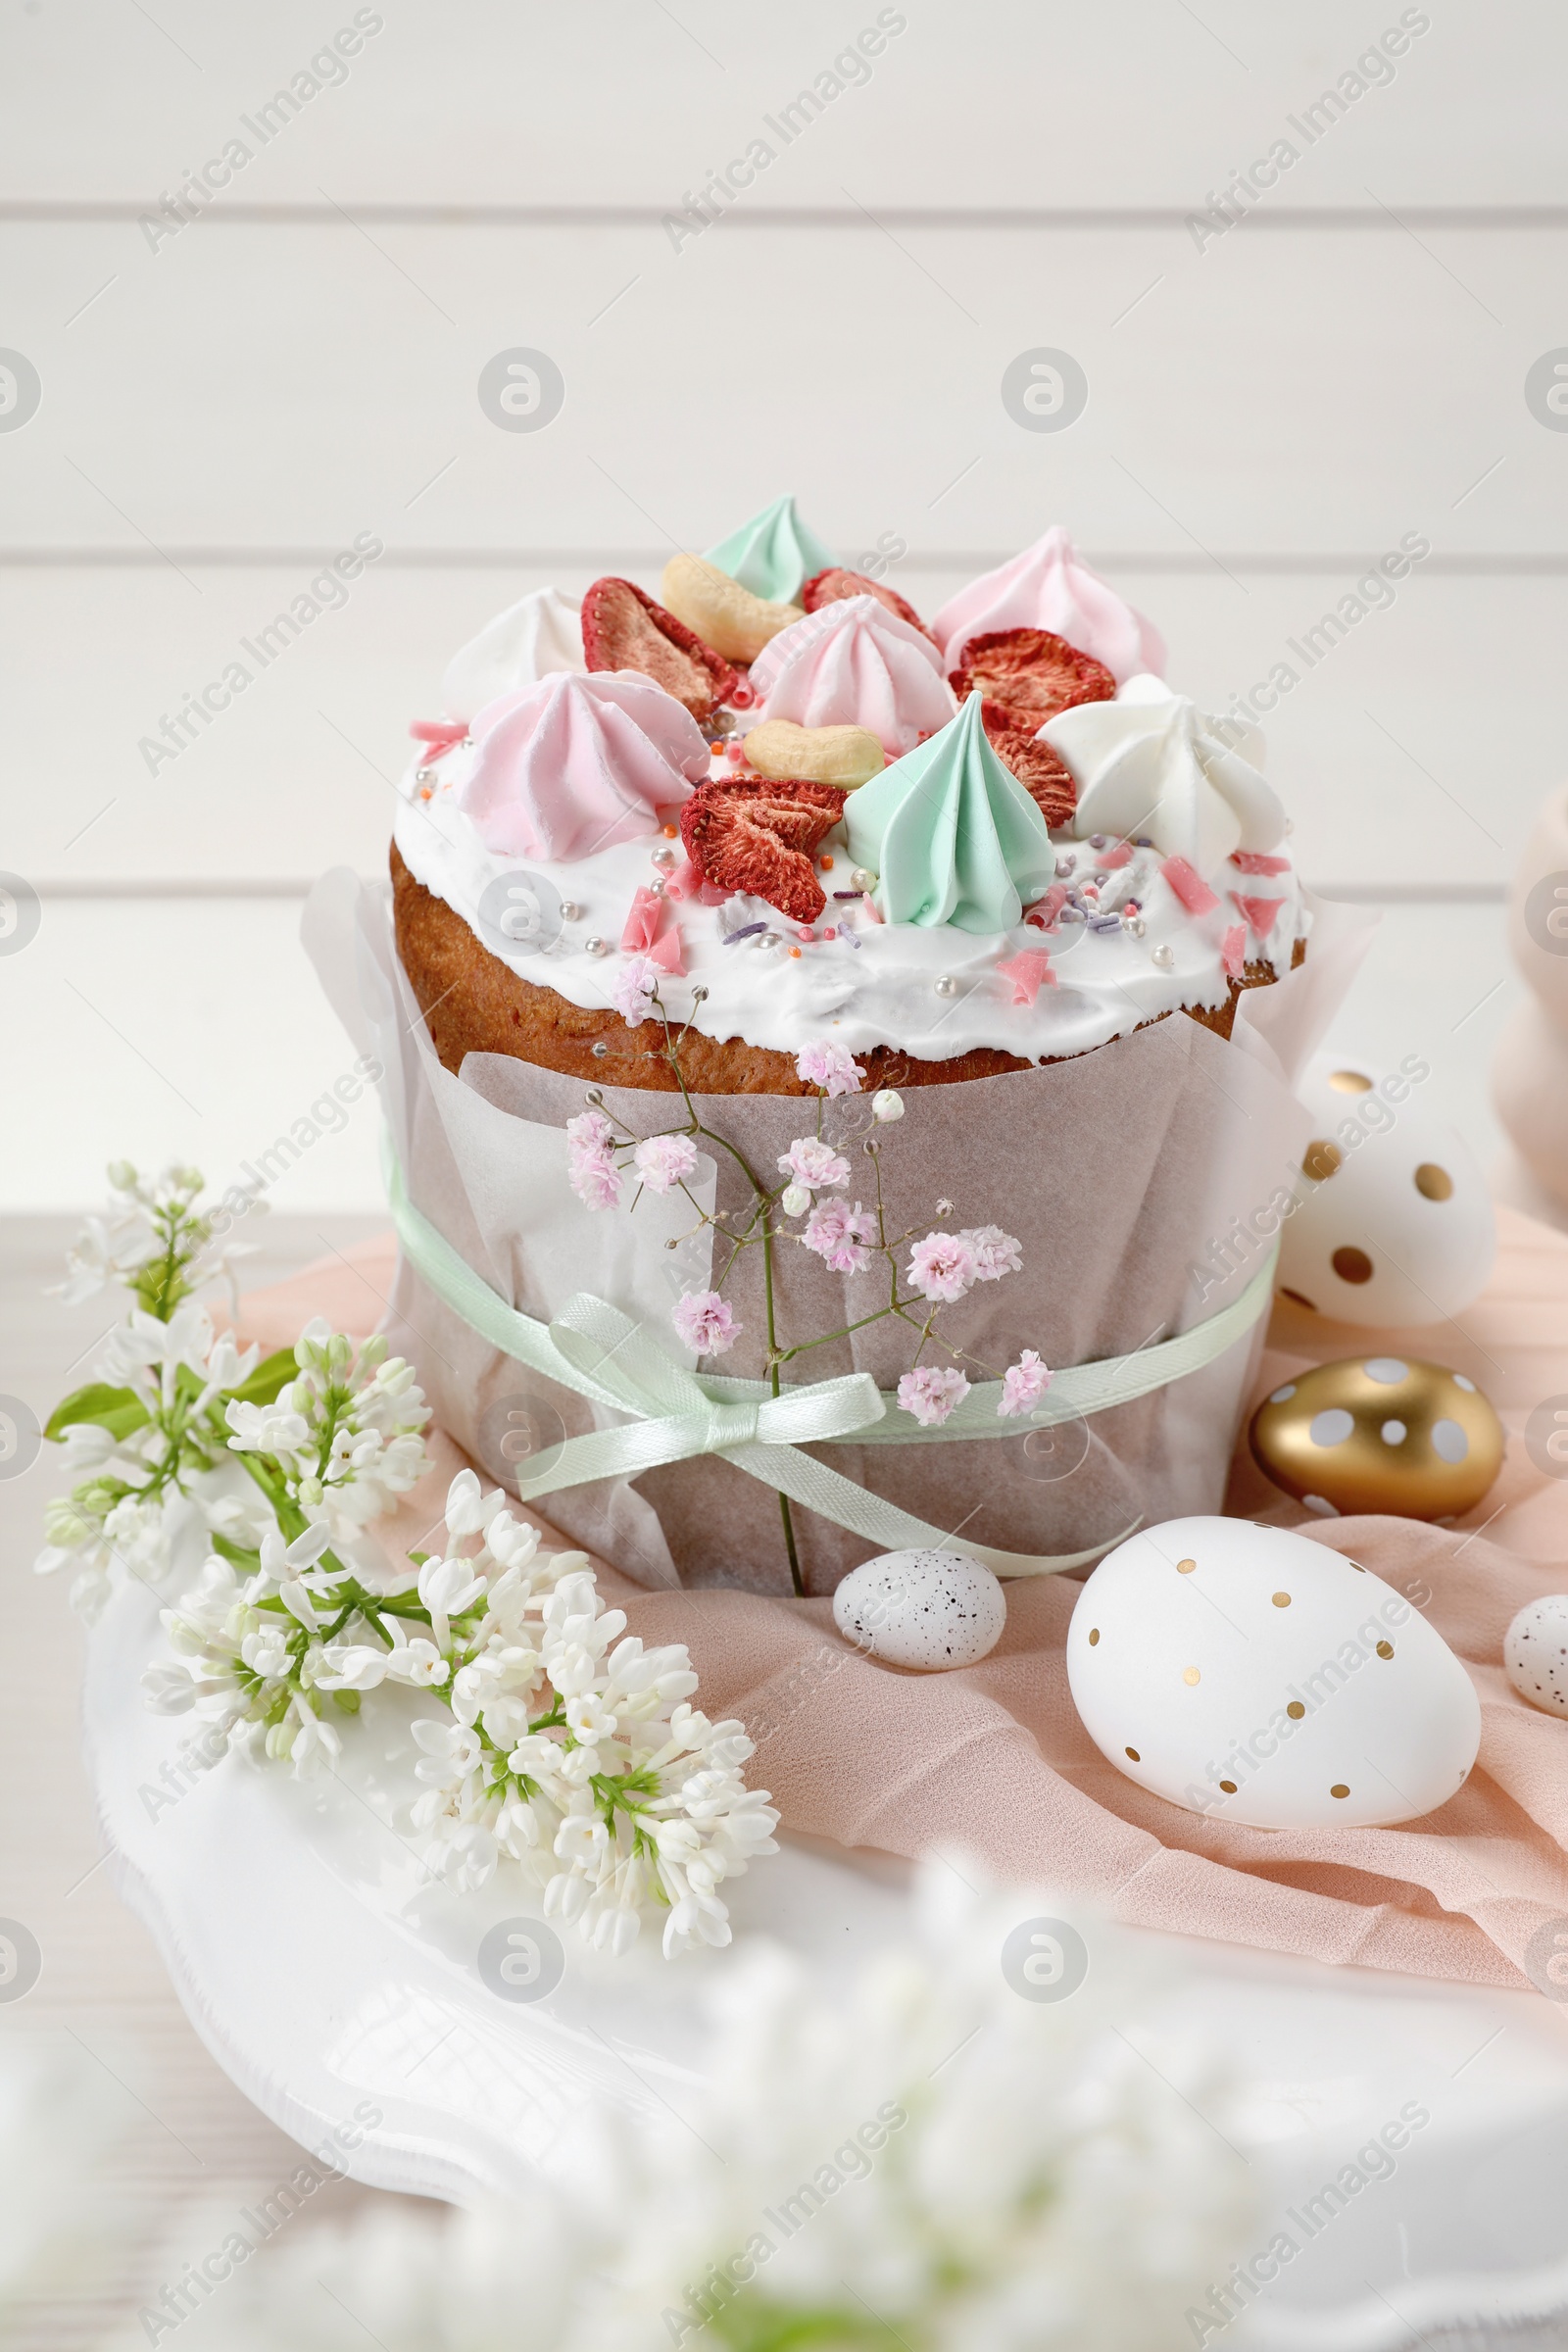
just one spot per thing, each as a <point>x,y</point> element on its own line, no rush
<point>599,1352</point>
<point>677,1414</point>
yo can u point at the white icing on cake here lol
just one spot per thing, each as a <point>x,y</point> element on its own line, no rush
<point>880,989</point>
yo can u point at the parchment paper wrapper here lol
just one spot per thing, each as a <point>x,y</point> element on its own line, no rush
<point>1130,1175</point>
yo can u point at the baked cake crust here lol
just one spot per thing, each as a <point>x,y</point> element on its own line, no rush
<point>474,1004</point>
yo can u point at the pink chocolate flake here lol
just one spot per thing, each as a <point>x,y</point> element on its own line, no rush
<point>1254,861</point>
<point>1028,970</point>
<point>1259,912</point>
<point>1189,885</point>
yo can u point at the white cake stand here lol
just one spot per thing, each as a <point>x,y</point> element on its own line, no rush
<point>339,1985</point>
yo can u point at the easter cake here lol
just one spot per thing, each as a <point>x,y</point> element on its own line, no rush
<point>780,809</point>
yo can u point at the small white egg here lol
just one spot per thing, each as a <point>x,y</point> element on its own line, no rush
<point>921,1608</point>
<point>1534,1652</point>
<point>1252,1675</point>
<point>1396,1225</point>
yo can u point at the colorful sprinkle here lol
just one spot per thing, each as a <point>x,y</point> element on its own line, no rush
<point>747,931</point>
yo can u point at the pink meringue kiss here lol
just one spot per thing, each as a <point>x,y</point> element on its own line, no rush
<point>576,763</point>
<point>1051,587</point>
<point>854,663</point>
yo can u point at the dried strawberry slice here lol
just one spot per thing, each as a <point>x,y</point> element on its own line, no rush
<point>1043,773</point>
<point>624,629</point>
<point>760,838</point>
<point>1032,673</point>
<point>830,587</point>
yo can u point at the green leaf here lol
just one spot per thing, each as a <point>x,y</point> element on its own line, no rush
<point>273,1373</point>
<point>235,1554</point>
<point>118,1410</point>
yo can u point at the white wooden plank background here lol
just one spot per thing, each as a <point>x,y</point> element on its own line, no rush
<point>300,364</point>
<point>1132,103</point>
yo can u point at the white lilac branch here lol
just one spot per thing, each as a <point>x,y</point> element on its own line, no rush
<point>559,1745</point>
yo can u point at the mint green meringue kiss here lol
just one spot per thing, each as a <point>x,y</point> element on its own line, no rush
<point>952,834</point>
<point>773,554</point>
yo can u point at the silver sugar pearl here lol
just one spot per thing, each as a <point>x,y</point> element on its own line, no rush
<point>599,1050</point>
<point>1164,957</point>
<point>655,888</point>
<point>1135,924</point>
<point>570,911</point>
<point>859,879</point>
<point>595,946</point>
<point>947,986</point>
<point>664,857</point>
<point>424,776</point>
<point>767,938</point>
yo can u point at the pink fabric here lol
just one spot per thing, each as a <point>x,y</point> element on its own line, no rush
<point>993,1756</point>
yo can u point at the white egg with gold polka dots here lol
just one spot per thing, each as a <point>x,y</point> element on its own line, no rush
<point>1254,1676</point>
<point>1393,1222</point>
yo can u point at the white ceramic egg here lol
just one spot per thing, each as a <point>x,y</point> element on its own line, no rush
<point>1535,1653</point>
<point>1396,1225</point>
<point>1250,1674</point>
<point>921,1608</point>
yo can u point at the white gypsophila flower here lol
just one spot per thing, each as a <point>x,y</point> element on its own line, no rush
<point>918,2154</point>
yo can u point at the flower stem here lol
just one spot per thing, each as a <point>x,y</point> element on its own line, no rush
<point>795,1578</point>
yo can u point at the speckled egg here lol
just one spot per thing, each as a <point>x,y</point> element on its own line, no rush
<point>1252,1675</point>
<point>1378,1433</point>
<point>1396,1225</point>
<point>1535,1653</point>
<point>921,1608</point>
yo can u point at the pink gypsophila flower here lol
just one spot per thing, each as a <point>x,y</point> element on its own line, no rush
<point>590,1160</point>
<point>995,1253</point>
<point>595,1179</point>
<point>1023,1383</point>
<point>633,992</point>
<point>931,1393</point>
<point>840,1234</point>
<point>815,1164</point>
<point>589,1131</point>
<point>944,1265</point>
<point>703,1322</point>
<point>830,1066</point>
<point>663,1160</point>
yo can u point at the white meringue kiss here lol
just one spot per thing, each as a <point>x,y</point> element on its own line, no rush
<point>1151,763</point>
<point>854,664</point>
<point>523,644</point>
<point>574,765</point>
<point>1051,587</point>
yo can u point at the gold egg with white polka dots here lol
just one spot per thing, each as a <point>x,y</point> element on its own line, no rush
<point>1380,1433</point>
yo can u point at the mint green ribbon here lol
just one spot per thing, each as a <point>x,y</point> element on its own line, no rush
<point>599,1352</point>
